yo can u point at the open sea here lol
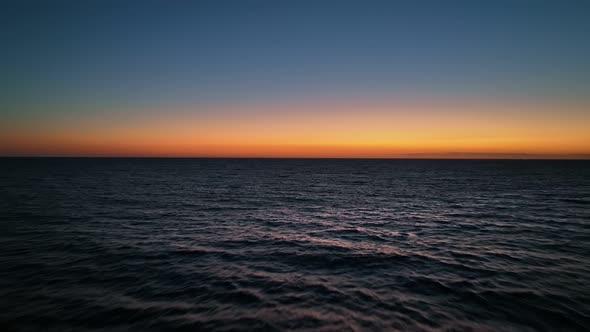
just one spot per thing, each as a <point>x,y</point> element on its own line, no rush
<point>91,244</point>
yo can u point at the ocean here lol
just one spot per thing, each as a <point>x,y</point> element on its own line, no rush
<point>140,244</point>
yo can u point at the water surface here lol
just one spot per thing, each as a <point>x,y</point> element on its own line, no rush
<point>255,244</point>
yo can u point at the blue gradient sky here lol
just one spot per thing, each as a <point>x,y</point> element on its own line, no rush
<point>88,56</point>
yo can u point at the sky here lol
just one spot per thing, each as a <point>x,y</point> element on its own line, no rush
<point>367,79</point>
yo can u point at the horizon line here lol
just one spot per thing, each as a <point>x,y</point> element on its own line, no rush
<point>557,158</point>
<point>415,155</point>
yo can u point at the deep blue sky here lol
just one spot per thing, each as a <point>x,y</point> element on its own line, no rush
<point>60,54</point>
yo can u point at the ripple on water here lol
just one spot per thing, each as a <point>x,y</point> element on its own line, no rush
<point>294,245</point>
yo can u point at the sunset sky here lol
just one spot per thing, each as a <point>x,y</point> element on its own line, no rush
<point>375,79</point>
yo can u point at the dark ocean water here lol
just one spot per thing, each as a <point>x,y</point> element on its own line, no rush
<point>334,245</point>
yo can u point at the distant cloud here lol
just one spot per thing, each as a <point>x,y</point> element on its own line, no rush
<point>486,155</point>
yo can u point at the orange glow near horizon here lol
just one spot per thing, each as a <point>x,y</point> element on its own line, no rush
<point>356,129</point>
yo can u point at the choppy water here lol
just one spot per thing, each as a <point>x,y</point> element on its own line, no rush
<point>337,245</point>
